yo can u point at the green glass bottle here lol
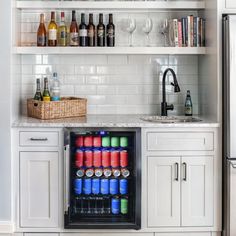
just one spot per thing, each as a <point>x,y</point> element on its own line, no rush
<point>46,93</point>
<point>38,94</point>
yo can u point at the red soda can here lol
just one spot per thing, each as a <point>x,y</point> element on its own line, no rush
<point>97,141</point>
<point>79,158</point>
<point>106,158</point>
<point>123,158</point>
<point>115,158</point>
<point>97,158</point>
<point>88,158</point>
<point>88,141</point>
<point>79,141</point>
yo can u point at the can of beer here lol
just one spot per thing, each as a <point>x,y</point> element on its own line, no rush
<point>79,158</point>
<point>106,158</point>
<point>124,206</point>
<point>114,186</point>
<point>124,141</point>
<point>78,186</point>
<point>125,172</point>
<point>97,158</point>
<point>115,206</point>
<point>115,142</point>
<point>97,141</point>
<point>88,141</point>
<point>98,172</point>
<point>89,172</point>
<point>115,158</point>
<point>87,186</point>
<point>123,186</point>
<point>95,186</point>
<point>106,141</point>
<point>88,158</point>
<point>104,186</point>
<point>79,141</point>
<point>123,158</point>
<point>80,173</point>
<point>116,172</point>
<point>107,172</point>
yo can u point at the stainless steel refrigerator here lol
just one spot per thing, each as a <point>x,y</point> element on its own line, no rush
<point>229,121</point>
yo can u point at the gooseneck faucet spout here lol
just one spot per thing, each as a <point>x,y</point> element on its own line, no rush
<point>164,106</point>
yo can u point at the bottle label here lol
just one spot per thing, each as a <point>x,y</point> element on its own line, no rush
<point>55,98</point>
<point>74,39</point>
<point>188,110</point>
<point>46,99</point>
<point>101,32</point>
<point>91,33</point>
<point>41,40</point>
<point>63,34</point>
<point>83,33</point>
<point>52,34</point>
<point>111,33</point>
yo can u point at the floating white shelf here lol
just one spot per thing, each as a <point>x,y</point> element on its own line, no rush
<point>131,5</point>
<point>110,50</point>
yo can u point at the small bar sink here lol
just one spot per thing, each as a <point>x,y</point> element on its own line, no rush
<point>170,119</point>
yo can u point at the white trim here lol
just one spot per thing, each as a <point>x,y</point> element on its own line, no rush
<point>6,227</point>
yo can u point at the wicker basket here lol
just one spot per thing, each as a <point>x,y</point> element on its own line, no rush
<point>66,107</point>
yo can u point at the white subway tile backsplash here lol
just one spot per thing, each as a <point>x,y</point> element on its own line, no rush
<point>67,90</point>
<point>85,90</point>
<point>84,70</point>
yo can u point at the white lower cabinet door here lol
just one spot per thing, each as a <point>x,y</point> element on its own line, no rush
<point>39,193</point>
<point>197,191</point>
<point>163,191</point>
<point>184,234</point>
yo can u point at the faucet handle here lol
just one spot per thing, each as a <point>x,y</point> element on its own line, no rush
<point>170,107</point>
<point>172,84</point>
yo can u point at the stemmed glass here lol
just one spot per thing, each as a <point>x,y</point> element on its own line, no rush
<point>147,28</point>
<point>164,29</point>
<point>130,27</point>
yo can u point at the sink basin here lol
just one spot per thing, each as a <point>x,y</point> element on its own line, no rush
<point>170,119</point>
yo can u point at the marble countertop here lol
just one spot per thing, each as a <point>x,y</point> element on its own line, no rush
<point>108,121</point>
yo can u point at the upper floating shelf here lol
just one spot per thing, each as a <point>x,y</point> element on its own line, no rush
<point>132,5</point>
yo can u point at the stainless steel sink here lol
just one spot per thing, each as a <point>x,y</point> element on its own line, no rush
<point>170,119</point>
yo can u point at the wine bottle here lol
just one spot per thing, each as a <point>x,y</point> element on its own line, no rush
<point>91,31</point>
<point>74,33</point>
<point>110,32</point>
<point>38,94</point>
<point>46,93</point>
<point>42,33</point>
<point>101,32</point>
<point>188,105</point>
<point>83,33</point>
<point>52,31</point>
<point>62,31</point>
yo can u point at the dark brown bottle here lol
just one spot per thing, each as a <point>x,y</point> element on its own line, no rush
<point>101,32</point>
<point>42,33</point>
<point>74,32</point>
<point>52,31</point>
<point>91,31</point>
<point>83,33</point>
<point>110,32</point>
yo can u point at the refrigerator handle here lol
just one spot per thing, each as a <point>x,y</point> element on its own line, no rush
<point>66,177</point>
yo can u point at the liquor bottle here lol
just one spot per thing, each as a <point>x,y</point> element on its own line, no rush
<point>52,31</point>
<point>62,31</point>
<point>110,32</point>
<point>38,94</point>
<point>83,33</point>
<point>74,32</point>
<point>188,105</point>
<point>42,33</point>
<point>91,32</point>
<point>55,88</point>
<point>101,32</point>
<point>46,94</point>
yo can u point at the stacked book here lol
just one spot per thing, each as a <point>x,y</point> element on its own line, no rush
<point>187,32</point>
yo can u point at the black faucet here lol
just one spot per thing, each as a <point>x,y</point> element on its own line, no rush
<point>164,106</point>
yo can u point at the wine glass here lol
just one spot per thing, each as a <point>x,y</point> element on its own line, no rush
<point>129,25</point>
<point>164,28</point>
<point>147,28</point>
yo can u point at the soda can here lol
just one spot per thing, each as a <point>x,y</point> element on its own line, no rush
<point>80,173</point>
<point>98,172</point>
<point>78,186</point>
<point>97,158</point>
<point>106,141</point>
<point>125,172</point>
<point>106,158</point>
<point>124,206</point>
<point>124,141</point>
<point>114,186</point>
<point>97,141</point>
<point>95,186</point>
<point>79,141</point>
<point>79,158</point>
<point>123,186</point>
<point>115,206</point>
<point>104,186</point>
<point>88,141</point>
<point>123,158</point>
<point>88,158</point>
<point>87,186</point>
<point>116,172</point>
<point>89,172</point>
<point>107,172</point>
<point>115,142</point>
<point>115,158</point>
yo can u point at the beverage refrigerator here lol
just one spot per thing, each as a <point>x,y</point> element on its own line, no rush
<point>102,178</point>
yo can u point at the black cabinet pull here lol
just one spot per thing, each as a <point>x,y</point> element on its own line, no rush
<point>177,171</point>
<point>185,171</point>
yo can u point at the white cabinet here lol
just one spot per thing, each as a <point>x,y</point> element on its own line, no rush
<point>39,189</point>
<point>230,3</point>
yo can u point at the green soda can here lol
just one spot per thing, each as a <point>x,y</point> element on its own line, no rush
<point>124,141</point>
<point>115,142</point>
<point>124,206</point>
<point>106,141</point>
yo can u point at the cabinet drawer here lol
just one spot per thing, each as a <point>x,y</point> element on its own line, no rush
<point>184,234</point>
<point>39,138</point>
<point>180,141</point>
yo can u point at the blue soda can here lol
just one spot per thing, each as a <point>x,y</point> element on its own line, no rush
<point>95,186</point>
<point>87,186</point>
<point>104,186</point>
<point>114,186</point>
<point>115,206</point>
<point>123,186</point>
<point>78,186</point>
